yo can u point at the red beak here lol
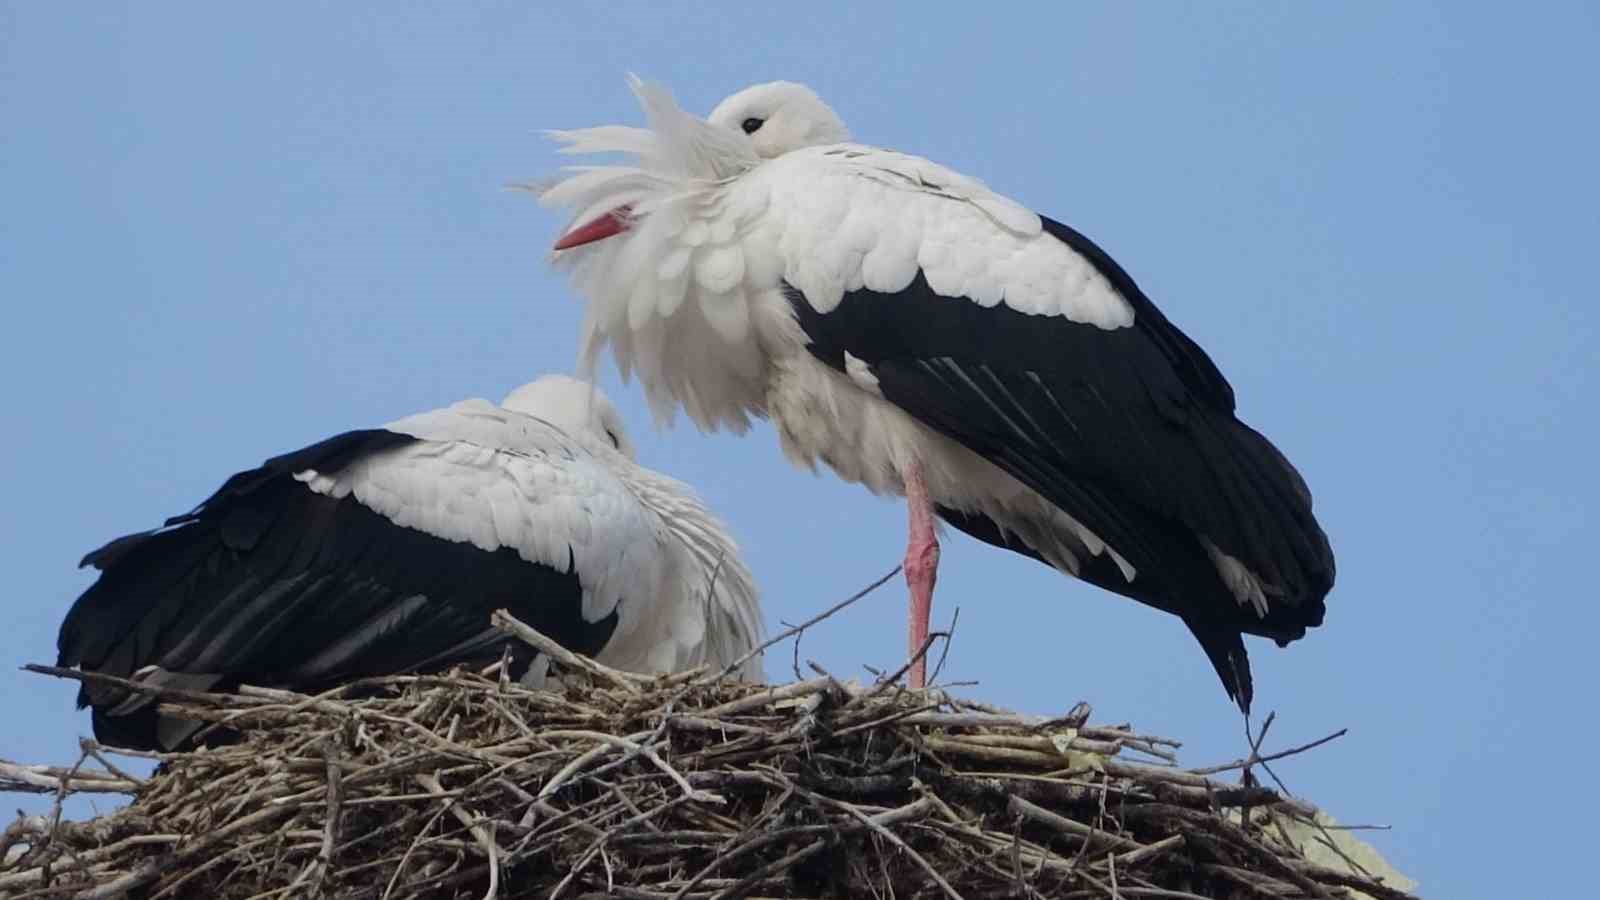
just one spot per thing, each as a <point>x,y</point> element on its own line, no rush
<point>612,223</point>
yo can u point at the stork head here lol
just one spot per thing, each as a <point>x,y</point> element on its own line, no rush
<point>780,116</point>
<point>574,406</point>
<point>775,118</point>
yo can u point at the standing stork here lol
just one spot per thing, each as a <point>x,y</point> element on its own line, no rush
<point>925,336</point>
<point>384,551</point>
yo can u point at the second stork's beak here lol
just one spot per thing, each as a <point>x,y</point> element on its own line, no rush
<point>608,225</point>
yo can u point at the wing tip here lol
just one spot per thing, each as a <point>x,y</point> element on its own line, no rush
<point>1225,648</point>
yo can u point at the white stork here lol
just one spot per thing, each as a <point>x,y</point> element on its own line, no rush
<point>384,551</point>
<point>925,336</point>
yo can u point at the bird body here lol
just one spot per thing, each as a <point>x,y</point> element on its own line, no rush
<point>385,550</point>
<point>923,335</point>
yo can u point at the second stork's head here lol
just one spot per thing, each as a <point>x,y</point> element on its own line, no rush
<point>575,406</point>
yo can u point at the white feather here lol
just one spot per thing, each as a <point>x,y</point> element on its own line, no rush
<point>712,221</point>
<point>606,139</point>
<point>545,480</point>
<point>801,207</point>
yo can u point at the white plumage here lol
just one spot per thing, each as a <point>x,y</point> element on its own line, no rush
<point>726,234</point>
<point>536,504</point>
<point>923,335</point>
<point>551,473</point>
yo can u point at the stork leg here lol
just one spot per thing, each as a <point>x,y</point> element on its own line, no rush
<point>921,566</point>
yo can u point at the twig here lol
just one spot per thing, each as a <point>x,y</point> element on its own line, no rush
<point>647,752</point>
<point>1253,759</point>
<point>881,826</point>
<point>796,629</point>
<point>770,696</point>
<point>53,779</point>
<point>944,651</point>
<point>1078,830</point>
<point>330,831</point>
<point>431,784</point>
<point>505,621</point>
<point>148,872</point>
<point>93,748</point>
<point>894,677</point>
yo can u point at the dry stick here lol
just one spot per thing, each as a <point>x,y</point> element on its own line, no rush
<point>944,651</point>
<point>574,869</point>
<point>1038,854</point>
<point>330,832</point>
<point>61,791</point>
<point>1255,747</point>
<point>650,740</point>
<point>202,698</point>
<point>479,833</point>
<point>171,888</point>
<point>156,755</point>
<point>1043,744</point>
<point>1276,864</point>
<point>1086,833</point>
<point>718,726</point>
<point>87,859</point>
<point>1258,884</point>
<point>899,715</point>
<point>616,833</point>
<point>1270,757</point>
<point>1271,863</point>
<point>1138,891</point>
<point>796,629</point>
<point>572,768</point>
<point>1088,737</point>
<point>317,869</point>
<point>792,631</point>
<point>93,748</point>
<point>913,810</point>
<point>298,701</point>
<point>60,801</point>
<point>578,763</point>
<point>1016,858</point>
<point>769,696</point>
<point>888,680</point>
<point>505,621</point>
<point>644,750</point>
<point>1255,752</point>
<point>794,658</point>
<point>411,847</point>
<point>781,864</point>
<point>755,843</point>
<point>53,779</point>
<point>153,868</point>
<point>1326,839</point>
<point>1134,857</point>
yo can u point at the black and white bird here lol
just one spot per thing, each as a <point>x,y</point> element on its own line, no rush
<point>925,336</point>
<point>385,550</point>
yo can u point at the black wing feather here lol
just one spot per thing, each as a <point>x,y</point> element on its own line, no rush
<point>267,582</point>
<point>1130,431</point>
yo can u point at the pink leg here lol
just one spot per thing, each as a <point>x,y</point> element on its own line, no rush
<point>921,566</point>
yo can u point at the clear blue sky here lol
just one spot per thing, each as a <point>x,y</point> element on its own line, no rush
<point>227,233</point>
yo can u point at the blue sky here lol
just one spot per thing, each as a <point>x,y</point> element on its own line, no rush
<point>226,234</point>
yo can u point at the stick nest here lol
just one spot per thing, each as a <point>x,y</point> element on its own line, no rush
<point>613,785</point>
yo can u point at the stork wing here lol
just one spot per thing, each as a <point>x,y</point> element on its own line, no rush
<point>1130,430</point>
<point>373,552</point>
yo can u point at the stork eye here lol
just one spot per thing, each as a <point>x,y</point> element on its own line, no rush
<point>751,125</point>
<point>613,436</point>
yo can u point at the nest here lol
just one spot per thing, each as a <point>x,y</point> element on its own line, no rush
<point>688,787</point>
